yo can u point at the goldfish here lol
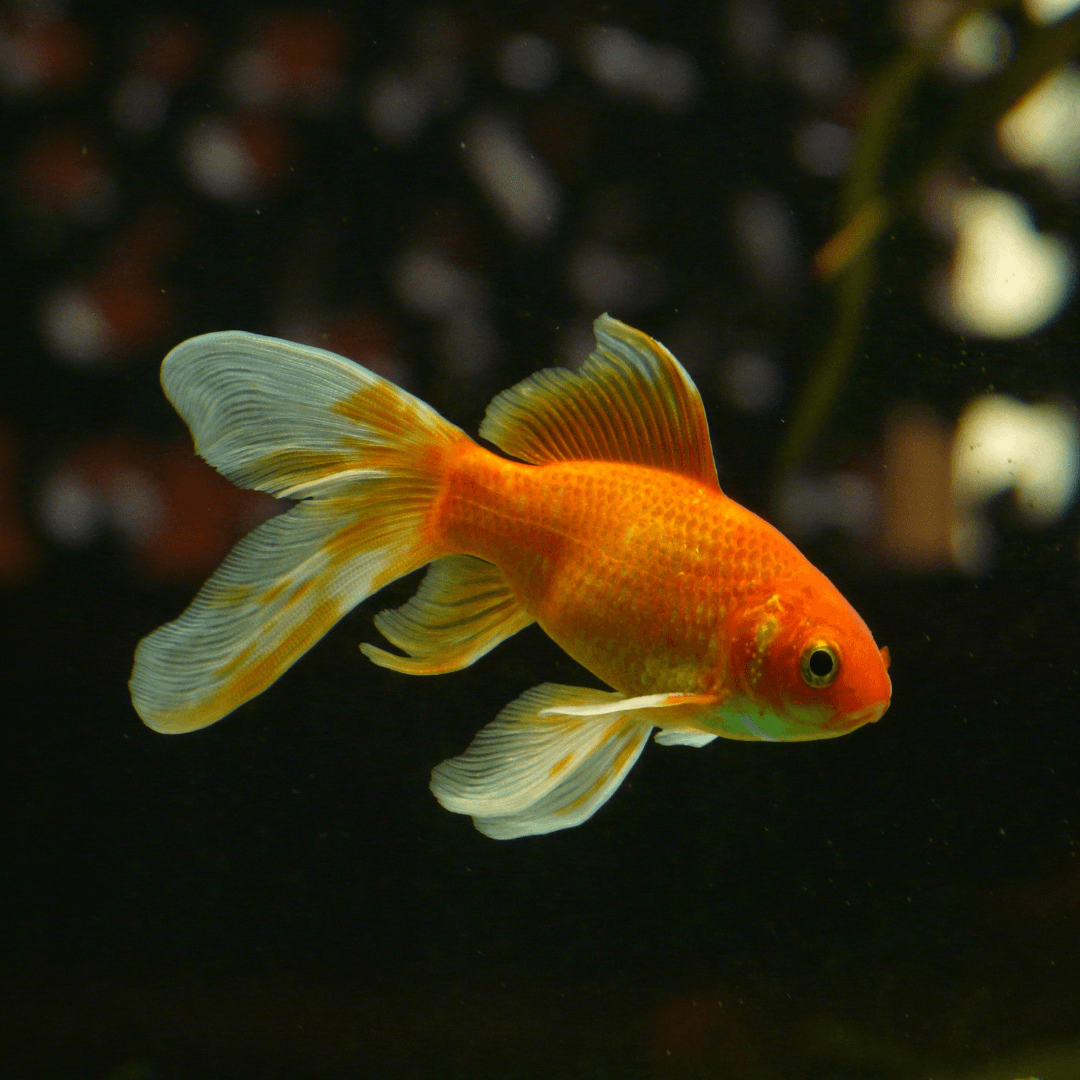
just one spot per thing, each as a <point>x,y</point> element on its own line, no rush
<point>602,520</point>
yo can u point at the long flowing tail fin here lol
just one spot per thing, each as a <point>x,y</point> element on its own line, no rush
<point>365,459</point>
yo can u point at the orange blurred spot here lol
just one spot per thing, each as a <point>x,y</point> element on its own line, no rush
<point>43,53</point>
<point>306,44</point>
<point>176,515</point>
<point>916,501</point>
<point>365,338</point>
<point>62,173</point>
<point>169,51</point>
<point>124,307</point>
<point>266,143</point>
<point>18,554</point>
<point>296,57</point>
<point>698,1029</point>
<point>204,515</point>
<point>134,308</point>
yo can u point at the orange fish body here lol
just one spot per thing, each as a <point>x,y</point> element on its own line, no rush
<point>656,582</point>
<point>610,531</point>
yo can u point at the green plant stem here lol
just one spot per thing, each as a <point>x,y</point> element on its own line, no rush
<point>868,212</point>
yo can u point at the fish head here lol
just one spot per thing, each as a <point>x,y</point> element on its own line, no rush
<point>806,665</point>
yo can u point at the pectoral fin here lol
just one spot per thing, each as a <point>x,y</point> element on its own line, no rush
<point>647,701</point>
<point>675,728</point>
<point>537,767</point>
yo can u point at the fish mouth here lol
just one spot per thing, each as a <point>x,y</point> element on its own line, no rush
<point>870,715</point>
<point>842,723</point>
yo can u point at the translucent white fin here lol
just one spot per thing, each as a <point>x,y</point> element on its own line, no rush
<point>631,401</point>
<point>582,793</point>
<point>277,593</point>
<point>683,737</point>
<point>367,460</point>
<point>289,418</point>
<point>526,773</point>
<point>462,610</point>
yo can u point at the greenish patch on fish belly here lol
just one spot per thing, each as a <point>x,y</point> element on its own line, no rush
<point>741,718</point>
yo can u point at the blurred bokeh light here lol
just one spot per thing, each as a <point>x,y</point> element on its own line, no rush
<point>1045,12</point>
<point>1007,279</point>
<point>1043,129</point>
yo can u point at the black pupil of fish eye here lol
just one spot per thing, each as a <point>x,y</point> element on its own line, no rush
<point>821,663</point>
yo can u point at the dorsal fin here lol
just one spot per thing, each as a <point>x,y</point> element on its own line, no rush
<point>631,401</point>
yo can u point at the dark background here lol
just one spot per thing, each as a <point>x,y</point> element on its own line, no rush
<point>280,895</point>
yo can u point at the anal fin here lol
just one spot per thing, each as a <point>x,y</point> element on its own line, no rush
<point>462,610</point>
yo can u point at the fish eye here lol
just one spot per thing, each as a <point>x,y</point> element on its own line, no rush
<point>820,664</point>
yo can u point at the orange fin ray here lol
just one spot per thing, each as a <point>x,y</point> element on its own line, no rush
<point>462,610</point>
<point>631,402</point>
